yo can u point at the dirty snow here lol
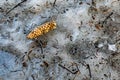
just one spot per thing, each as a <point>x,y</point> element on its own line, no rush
<point>84,46</point>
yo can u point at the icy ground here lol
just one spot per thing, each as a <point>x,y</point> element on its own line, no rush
<point>84,46</point>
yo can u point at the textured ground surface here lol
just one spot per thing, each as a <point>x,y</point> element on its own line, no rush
<point>84,46</point>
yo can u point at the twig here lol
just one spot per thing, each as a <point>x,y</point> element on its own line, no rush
<point>33,77</point>
<point>89,70</point>
<point>29,54</point>
<point>68,69</point>
<point>107,17</point>
<point>77,68</point>
<point>88,66</point>
<point>65,68</point>
<point>40,44</point>
<point>77,71</point>
<point>15,70</point>
<point>54,3</point>
<point>16,6</point>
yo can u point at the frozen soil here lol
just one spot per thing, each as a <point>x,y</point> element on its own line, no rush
<point>84,46</point>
